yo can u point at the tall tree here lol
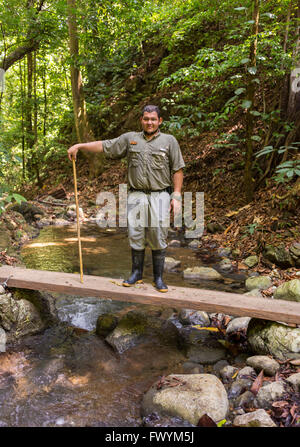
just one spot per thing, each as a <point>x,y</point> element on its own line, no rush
<point>250,95</point>
<point>83,131</point>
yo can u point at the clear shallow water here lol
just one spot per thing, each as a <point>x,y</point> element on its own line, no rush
<point>70,377</point>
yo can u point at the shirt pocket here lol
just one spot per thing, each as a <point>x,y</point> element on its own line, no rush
<point>158,159</point>
<point>134,156</point>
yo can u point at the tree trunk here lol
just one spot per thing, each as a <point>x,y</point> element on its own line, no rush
<point>22,121</point>
<point>250,96</point>
<point>83,130</point>
<point>294,91</point>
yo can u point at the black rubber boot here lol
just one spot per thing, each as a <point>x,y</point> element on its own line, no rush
<point>158,260</point>
<point>137,268</point>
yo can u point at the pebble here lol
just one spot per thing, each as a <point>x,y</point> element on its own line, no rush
<point>269,393</point>
<point>246,371</point>
<point>237,324</point>
<point>262,362</point>
<point>258,418</point>
<point>190,316</point>
<point>294,380</point>
<point>227,373</point>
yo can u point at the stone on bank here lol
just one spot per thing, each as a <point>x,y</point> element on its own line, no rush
<point>191,397</point>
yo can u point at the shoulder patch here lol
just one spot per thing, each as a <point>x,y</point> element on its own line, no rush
<point>133,142</point>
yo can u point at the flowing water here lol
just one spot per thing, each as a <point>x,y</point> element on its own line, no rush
<point>71,377</point>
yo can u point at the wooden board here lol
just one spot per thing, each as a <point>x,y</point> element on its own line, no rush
<point>177,297</point>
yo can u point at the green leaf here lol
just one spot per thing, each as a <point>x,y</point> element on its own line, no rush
<point>230,100</point>
<point>255,138</point>
<point>252,70</point>
<point>245,60</point>
<point>18,198</point>
<point>221,423</point>
<point>255,113</point>
<point>266,150</point>
<point>239,91</point>
<point>246,104</point>
<point>240,8</point>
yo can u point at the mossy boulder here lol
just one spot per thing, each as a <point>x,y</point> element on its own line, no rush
<point>275,339</point>
<point>258,282</point>
<point>137,327</point>
<point>19,317</point>
<point>289,291</point>
<point>105,324</point>
<point>205,273</point>
<point>279,256</point>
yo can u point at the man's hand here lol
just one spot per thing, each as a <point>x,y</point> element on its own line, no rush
<point>175,206</point>
<point>72,152</point>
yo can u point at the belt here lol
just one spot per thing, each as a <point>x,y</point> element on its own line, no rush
<point>148,191</point>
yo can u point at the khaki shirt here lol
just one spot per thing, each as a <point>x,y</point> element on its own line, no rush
<point>150,162</point>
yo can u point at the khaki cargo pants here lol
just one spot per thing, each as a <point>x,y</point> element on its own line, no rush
<point>148,218</point>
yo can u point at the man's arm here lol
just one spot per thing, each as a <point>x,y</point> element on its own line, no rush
<point>93,146</point>
<point>176,196</point>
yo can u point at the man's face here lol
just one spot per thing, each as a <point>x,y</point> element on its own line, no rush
<point>150,122</point>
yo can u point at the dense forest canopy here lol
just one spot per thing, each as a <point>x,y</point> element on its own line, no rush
<point>76,71</point>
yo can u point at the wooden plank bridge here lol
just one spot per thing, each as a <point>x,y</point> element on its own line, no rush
<point>177,297</point>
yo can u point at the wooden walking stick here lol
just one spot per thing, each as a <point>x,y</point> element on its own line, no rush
<point>78,224</point>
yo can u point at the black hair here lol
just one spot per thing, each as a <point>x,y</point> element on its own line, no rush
<point>150,108</point>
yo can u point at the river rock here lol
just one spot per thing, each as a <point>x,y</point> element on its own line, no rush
<point>171,264</point>
<point>295,253</point>
<point>193,244</point>
<point>218,366</point>
<point>246,372</point>
<point>237,324</point>
<point>190,316</point>
<point>19,317</point>
<point>44,222</point>
<point>269,393</point>
<point>71,212</point>
<point>28,210</point>
<point>206,355</point>
<point>258,282</point>
<point>278,255</point>
<point>262,362</point>
<point>105,324</point>
<point>224,252</point>
<point>245,400</point>
<point>294,380</point>
<point>225,265</point>
<point>289,290</point>
<point>238,387</point>
<point>258,418</point>
<point>155,420</point>
<point>206,273</point>
<point>3,339</point>
<point>275,339</point>
<point>193,396</point>
<point>227,373</point>
<point>44,302</point>
<point>137,326</point>
<point>174,243</point>
<point>2,290</point>
<point>251,261</point>
<point>193,368</point>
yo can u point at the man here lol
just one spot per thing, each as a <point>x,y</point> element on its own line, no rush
<point>152,159</point>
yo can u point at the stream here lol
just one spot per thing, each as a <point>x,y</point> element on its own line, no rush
<point>67,375</point>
